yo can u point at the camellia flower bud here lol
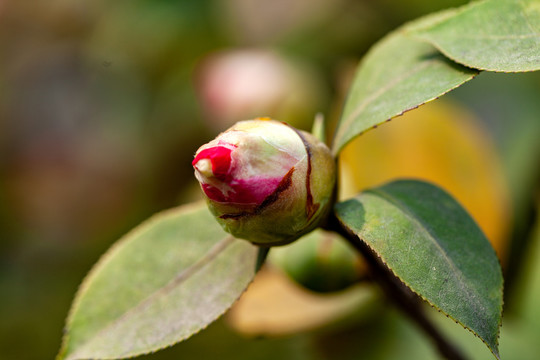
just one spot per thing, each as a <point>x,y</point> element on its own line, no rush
<point>266,181</point>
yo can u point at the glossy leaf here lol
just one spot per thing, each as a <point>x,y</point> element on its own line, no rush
<point>398,74</point>
<point>442,143</point>
<point>166,280</point>
<point>431,244</point>
<point>495,35</point>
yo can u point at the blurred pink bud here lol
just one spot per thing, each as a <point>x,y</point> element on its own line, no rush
<point>239,84</point>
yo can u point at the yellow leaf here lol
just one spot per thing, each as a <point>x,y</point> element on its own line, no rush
<point>441,143</point>
<point>274,305</point>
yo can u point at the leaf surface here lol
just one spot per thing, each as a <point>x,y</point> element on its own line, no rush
<point>494,35</point>
<point>398,74</point>
<point>166,280</point>
<point>435,248</point>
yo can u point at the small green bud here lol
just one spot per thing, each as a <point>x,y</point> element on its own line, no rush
<point>321,262</point>
<point>266,181</point>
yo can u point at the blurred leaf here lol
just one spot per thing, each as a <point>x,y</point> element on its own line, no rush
<point>508,104</point>
<point>441,143</point>
<point>219,341</point>
<point>398,74</point>
<point>529,286</point>
<point>276,306</point>
<point>435,248</point>
<point>163,282</point>
<point>321,261</point>
<point>495,35</point>
<point>384,335</point>
<point>516,342</point>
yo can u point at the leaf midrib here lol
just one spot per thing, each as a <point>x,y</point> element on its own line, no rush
<point>425,229</point>
<point>344,127</point>
<point>183,275</point>
<point>533,34</point>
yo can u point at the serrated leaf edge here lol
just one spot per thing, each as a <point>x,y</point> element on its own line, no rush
<point>403,31</point>
<point>469,65</point>
<point>212,253</point>
<point>103,259</point>
<point>495,352</point>
<point>336,150</point>
<point>416,33</point>
<point>110,253</point>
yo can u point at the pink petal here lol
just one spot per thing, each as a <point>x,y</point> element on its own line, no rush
<point>220,156</point>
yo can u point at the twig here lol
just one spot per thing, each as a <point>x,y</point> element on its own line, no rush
<point>402,297</point>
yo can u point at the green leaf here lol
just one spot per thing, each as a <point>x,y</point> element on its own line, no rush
<point>163,282</point>
<point>494,35</point>
<point>398,74</point>
<point>434,247</point>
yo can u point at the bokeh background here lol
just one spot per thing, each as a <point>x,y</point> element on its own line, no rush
<point>103,104</point>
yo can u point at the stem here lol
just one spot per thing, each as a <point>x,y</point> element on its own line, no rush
<point>402,297</point>
<point>262,253</point>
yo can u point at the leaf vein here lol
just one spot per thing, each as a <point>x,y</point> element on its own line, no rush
<point>183,275</point>
<point>368,100</point>
<point>526,18</point>
<point>470,292</point>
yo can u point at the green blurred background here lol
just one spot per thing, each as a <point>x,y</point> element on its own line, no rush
<point>103,105</point>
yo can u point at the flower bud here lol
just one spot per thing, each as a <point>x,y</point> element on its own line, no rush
<point>266,181</point>
<point>321,262</point>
